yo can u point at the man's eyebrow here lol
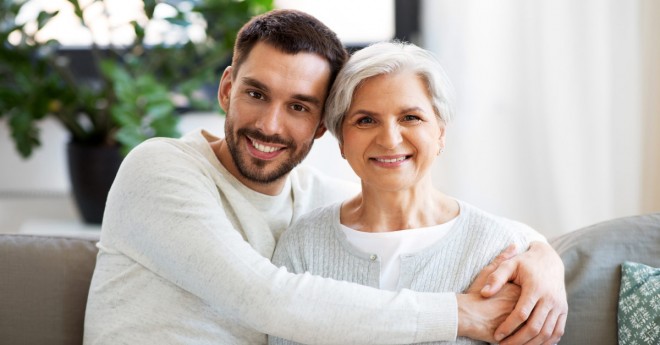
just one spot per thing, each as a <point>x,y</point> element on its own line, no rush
<point>255,83</point>
<point>261,86</point>
<point>308,99</point>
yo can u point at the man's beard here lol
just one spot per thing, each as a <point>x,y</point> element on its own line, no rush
<point>252,168</point>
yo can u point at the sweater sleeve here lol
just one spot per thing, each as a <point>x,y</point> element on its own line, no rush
<point>282,257</point>
<point>164,213</point>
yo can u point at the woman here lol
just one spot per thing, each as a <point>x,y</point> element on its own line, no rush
<point>388,109</point>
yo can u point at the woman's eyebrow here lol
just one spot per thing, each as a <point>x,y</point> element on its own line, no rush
<point>411,109</point>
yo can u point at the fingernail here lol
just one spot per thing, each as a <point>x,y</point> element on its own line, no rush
<point>499,336</point>
<point>486,288</point>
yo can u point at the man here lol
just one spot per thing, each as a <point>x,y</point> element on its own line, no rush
<point>191,224</point>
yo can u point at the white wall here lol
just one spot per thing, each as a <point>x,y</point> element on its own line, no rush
<point>556,123</point>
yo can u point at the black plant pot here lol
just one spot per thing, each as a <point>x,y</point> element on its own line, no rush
<point>92,169</point>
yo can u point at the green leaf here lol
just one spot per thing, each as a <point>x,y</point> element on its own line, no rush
<point>139,30</point>
<point>44,17</point>
<point>77,9</point>
<point>149,8</point>
<point>129,137</point>
<point>24,132</point>
<point>178,21</point>
<point>160,111</point>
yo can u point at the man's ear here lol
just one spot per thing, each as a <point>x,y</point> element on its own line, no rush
<point>224,90</point>
<point>320,131</point>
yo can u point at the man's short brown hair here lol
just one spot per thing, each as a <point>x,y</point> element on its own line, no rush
<point>292,32</point>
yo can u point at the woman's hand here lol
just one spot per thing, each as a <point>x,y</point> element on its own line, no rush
<point>540,314</point>
<point>478,317</point>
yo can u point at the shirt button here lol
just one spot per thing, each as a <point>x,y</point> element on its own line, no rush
<point>373,257</point>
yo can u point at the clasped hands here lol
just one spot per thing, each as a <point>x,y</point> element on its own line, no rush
<point>516,299</point>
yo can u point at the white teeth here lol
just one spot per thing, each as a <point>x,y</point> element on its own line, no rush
<point>391,160</point>
<point>263,148</point>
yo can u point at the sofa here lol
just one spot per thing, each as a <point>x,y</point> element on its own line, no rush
<point>44,281</point>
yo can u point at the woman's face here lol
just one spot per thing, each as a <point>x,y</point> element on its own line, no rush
<point>391,134</point>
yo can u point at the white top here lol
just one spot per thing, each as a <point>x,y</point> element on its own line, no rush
<point>184,259</point>
<point>389,246</point>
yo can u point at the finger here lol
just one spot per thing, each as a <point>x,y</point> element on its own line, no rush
<point>504,273</point>
<point>482,277</point>
<point>522,311</point>
<point>506,254</point>
<point>532,327</point>
<point>559,330</point>
<point>546,333</point>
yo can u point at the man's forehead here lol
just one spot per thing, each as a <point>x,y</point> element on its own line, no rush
<point>268,54</point>
<point>271,70</point>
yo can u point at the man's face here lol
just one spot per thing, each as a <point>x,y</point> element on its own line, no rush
<point>274,106</point>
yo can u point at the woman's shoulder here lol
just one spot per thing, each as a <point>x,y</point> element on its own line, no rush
<point>320,218</point>
<point>486,222</point>
<point>315,225</point>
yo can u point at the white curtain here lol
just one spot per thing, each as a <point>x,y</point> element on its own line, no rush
<point>558,113</point>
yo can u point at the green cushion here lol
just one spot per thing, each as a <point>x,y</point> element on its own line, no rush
<point>639,304</point>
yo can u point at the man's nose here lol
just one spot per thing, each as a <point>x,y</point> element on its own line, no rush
<point>389,136</point>
<point>270,121</point>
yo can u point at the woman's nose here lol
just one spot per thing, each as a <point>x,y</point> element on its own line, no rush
<point>389,136</point>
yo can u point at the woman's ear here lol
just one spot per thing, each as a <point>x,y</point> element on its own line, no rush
<point>341,151</point>
<point>441,138</point>
<point>224,89</point>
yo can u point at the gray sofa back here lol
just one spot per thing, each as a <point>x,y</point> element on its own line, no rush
<point>44,283</point>
<point>592,258</point>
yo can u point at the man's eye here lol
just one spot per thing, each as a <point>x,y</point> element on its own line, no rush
<point>298,107</point>
<point>256,94</point>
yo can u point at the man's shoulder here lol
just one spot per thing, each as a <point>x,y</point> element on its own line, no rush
<point>163,152</point>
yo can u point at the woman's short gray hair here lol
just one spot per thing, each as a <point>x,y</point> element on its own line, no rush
<point>385,58</point>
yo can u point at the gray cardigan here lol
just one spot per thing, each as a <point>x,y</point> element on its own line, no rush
<point>316,244</point>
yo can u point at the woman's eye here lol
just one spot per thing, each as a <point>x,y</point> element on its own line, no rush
<point>255,94</point>
<point>298,107</point>
<point>409,118</point>
<point>364,121</point>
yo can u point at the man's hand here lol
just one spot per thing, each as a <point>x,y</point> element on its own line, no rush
<point>542,308</point>
<point>476,318</point>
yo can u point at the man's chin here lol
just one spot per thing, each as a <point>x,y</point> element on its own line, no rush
<point>264,172</point>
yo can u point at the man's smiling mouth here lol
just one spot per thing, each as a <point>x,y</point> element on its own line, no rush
<point>262,147</point>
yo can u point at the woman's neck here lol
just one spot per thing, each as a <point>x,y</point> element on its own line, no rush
<point>382,211</point>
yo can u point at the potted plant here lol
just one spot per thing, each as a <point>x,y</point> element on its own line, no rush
<point>131,96</point>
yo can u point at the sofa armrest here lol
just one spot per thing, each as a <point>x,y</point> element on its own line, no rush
<point>592,258</point>
<point>44,283</point>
